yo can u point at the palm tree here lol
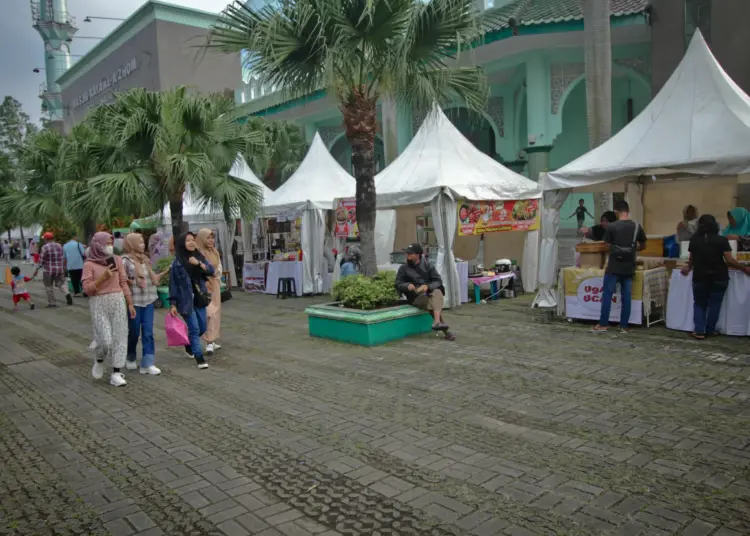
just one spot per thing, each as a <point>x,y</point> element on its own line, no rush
<point>285,147</point>
<point>165,145</point>
<point>360,51</point>
<point>598,58</point>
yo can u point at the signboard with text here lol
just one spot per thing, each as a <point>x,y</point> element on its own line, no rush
<point>583,296</point>
<point>105,83</point>
<point>479,217</point>
<point>345,225</point>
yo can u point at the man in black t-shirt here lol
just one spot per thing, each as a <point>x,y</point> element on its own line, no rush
<point>580,213</point>
<point>710,259</point>
<point>625,237</point>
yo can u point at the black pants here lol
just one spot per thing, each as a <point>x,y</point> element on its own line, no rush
<point>75,280</point>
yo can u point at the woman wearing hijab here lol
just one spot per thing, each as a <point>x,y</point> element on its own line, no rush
<point>188,293</point>
<point>739,224</point>
<point>155,247</point>
<point>689,224</point>
<point>143,282</point>
<point>106,283</point>
<point>351,264</point>
<point>206,242</point>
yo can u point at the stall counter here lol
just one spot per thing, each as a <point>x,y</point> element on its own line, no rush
<point>580,290</point>
<point>734,318</point>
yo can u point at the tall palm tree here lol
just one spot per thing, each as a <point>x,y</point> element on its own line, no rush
<point>165,145</point>
<point>285,148</point>
<point>360,51</point>
<point>598,61</point>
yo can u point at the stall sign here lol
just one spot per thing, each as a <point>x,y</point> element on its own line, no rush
<point>583,297</point>
<point>254,277</point>
<point>479,217</point>
<point>346,218</point>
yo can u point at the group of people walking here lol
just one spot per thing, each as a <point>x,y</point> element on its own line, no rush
<point>121,291</point>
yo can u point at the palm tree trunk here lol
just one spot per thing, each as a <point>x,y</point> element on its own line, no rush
<point>361,123</point>
<point>21,231</point>
<point>89,228</point>
<point>598,59</point>
<point>175,212</point>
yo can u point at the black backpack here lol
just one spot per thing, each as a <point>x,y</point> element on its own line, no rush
<point>626,253</point>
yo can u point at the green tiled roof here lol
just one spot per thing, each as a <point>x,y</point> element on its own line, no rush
<point>531,12</point>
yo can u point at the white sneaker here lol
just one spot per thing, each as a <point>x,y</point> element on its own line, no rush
<point>203,365</point>
<point>131,365</point>
<point>217,346</point>
<point>117,379</point>
<point>97,371</point>
<point>151,370</point>
<point>210,347</point>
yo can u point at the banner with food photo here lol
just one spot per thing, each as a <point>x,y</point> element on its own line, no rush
<point>345,225</point>
<point>479,217</point>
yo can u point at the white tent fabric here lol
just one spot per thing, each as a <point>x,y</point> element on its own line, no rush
<point>317,182</point>
<point>444,209</point>
<point>698,124</point>
<point>313,262</point>
<point>440,158</point>
<point>241,170</point>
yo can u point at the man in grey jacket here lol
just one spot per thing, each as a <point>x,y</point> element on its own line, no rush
<point>423,287</point>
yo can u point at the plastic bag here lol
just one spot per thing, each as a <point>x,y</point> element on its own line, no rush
<point>176,331</point>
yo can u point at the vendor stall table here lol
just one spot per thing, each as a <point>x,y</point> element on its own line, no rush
<point>279,269</point>
<point>463,276</point>
<point>505,280</point>
<point>734,318</point>
<point>579,294</point>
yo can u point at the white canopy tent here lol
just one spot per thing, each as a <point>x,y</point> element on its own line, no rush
<point>312,189</point>
<point>440,166</point>
<point>195,216</point>
<point>698,126</point>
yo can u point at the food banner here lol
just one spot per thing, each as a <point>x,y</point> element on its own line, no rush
<point>583,295</point>
<point>254,277</point>
<point>479,217</point>
<point>346,218</point>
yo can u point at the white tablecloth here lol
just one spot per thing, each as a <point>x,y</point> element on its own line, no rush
<point>734,318</point>
<point>463,276</point>
<point>279,269</point>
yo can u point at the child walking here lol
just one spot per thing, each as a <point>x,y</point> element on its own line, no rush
<point>18,286</point>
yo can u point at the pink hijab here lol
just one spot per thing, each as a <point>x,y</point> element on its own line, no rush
<point>97,252</point>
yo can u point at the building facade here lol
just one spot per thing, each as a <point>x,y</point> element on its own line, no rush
<point>157,48</point>
<point>535,119</point>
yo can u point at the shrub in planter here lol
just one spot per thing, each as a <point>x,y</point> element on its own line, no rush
<point>367,293</point>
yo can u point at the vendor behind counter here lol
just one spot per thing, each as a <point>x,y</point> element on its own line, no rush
<point>596,232</point>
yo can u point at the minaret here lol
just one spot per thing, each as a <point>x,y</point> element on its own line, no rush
<point>53,22</point>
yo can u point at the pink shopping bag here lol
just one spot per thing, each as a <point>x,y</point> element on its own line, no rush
<point>176,331</point>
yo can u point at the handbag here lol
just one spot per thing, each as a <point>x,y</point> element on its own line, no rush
<point>226,295</point>
<point>176,330</point>
<point>200,299</point>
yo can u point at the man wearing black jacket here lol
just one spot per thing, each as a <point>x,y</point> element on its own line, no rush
<point>423,287</point>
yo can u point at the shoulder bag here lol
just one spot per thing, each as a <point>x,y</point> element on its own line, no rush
<point>626,253</point>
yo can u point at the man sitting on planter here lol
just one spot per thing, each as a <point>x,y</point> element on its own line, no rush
<point>420,282</point>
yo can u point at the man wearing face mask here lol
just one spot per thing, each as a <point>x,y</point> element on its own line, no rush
<point>52,262</point>
<point>420,282</point>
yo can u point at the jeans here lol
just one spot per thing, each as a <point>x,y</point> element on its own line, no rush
<point>75,280</point>
<point>626,289</point>
<point>707,299</point>
<point>196,324</point>
<point>142,326</point>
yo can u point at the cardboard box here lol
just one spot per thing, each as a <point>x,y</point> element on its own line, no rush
<point>591,260</point>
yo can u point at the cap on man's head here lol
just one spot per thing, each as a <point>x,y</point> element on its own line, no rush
<point>414,248</point>
<point>48,236</point>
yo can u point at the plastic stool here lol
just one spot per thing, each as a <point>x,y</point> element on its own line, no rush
<point>286,287</point>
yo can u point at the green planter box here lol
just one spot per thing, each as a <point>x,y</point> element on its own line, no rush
<point>163,293</point>
<point>366,328</point>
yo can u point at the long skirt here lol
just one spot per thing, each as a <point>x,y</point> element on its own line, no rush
<point>109,316</point>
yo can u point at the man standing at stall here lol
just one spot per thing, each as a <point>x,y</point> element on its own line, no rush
<point>625,238</point>
<point>420,282</point>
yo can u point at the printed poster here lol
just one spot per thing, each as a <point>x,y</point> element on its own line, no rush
<point>479,217</point>
<point>583,296</point>
<point>346,219</point>
<point>254,277</point>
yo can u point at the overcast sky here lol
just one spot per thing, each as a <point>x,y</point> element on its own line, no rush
<point>23,49</point>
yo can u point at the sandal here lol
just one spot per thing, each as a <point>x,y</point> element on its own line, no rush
<point>698,336</point>
<point>449,336</point>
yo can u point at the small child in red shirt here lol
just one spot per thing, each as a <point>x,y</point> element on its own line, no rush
<point>18,286</point>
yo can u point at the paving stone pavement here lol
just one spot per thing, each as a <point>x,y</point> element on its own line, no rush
<point>525,425</point>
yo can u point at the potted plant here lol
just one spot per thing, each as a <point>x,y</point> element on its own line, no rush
<point>162,290</point>
<point>367,311</point>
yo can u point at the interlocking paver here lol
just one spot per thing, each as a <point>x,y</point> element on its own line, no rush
<point>546,434</point>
